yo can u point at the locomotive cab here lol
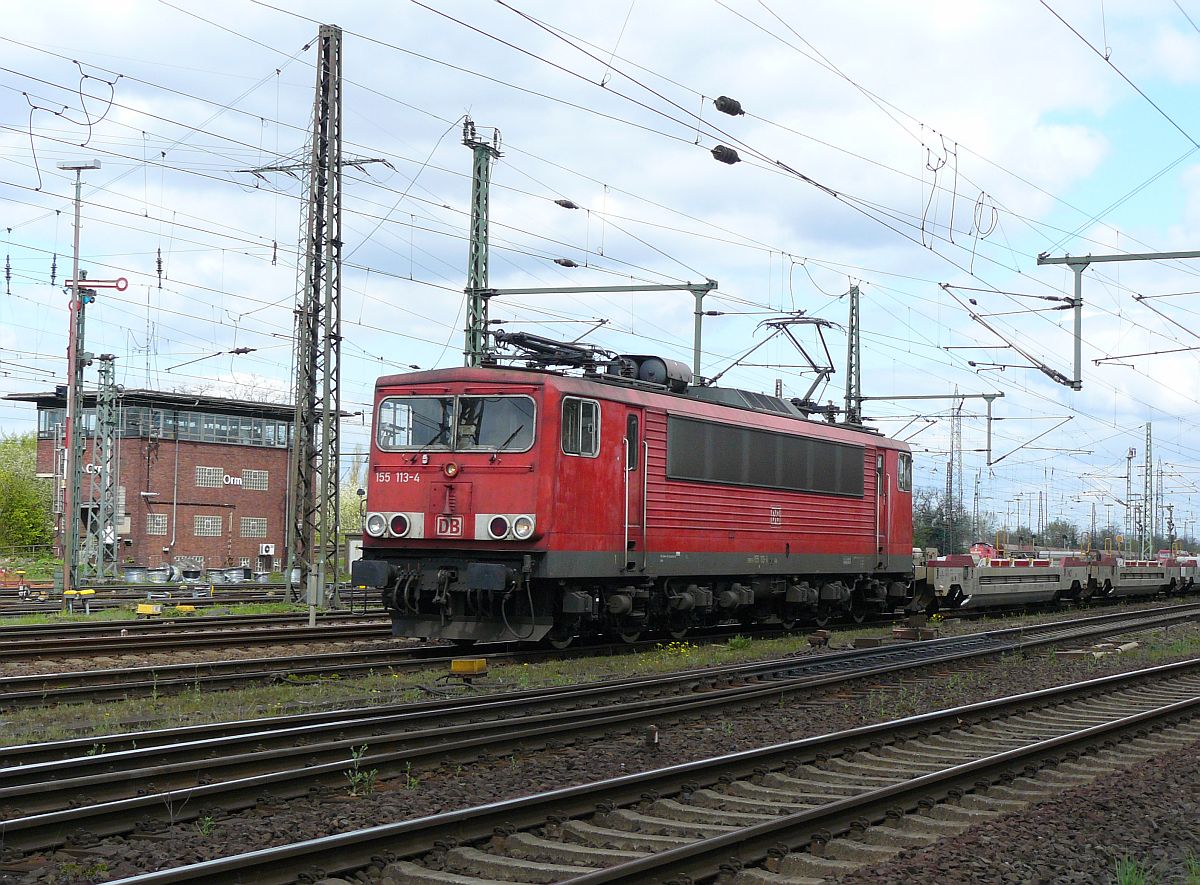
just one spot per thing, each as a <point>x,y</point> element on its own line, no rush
<point>455,515</point>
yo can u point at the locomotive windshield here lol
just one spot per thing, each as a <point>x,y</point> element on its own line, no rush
<point>456,423</point>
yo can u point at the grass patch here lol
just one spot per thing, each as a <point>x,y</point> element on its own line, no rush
<point>126,612</point>
<point>1129,872</point>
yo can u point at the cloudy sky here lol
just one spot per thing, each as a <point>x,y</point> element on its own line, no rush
<point>925,152</point>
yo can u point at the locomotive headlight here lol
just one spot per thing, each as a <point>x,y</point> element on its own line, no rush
<point>450,469</point>
<point>523,527</point>
<point>498,527</point>
<point>375,525</point>
<point>399,525</point>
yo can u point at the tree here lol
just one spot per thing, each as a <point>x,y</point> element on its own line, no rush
<point>1062,534</point>
<point>935,526</point>
<point>25,500</point>
<point>350,517</point>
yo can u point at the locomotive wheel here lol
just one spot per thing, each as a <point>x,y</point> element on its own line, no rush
<point>631,636</point>
<point>677,633</point>
<point>858,615</point>
<point>823,616</point>
<point>560,642</point>
<point>789,625</point>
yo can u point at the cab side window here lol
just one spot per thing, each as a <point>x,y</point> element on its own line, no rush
<point>904,472</point>
<point>580,427</point>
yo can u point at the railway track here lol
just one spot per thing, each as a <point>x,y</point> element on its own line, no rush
<point>151,626</point>
<point>797,812</point>
<point>154,680</point>
<point>116,783</point>
<point>203,596</point>
<point>46,689</point>
<point>58,646</point>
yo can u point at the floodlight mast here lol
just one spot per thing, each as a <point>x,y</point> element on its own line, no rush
<point>1078,265</point>
<point>72,430</point>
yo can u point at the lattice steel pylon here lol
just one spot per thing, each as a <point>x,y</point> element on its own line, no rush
<point>100,541</point>
<point>313,490</point>
<point>956,447</point>
<point>1147,539</point>
<point>483,153</point>
<point>852,411</point>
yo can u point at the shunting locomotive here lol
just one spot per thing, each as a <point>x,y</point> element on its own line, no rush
<point>587,493</point>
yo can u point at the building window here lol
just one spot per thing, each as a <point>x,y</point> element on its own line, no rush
<point>209,477</point>
<point>156,523</point>
<point>254,526</point>
<point>245,562</point>
<point>580,427</point>
<point>255,480</point>
<point>208,526</point>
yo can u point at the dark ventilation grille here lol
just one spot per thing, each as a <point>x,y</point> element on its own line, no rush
<point>765,403</point>
<point>745,399</point>
<point>703,451</point>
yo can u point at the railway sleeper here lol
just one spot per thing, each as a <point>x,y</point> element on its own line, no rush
<point>537,848</point>
<point>472,861</point>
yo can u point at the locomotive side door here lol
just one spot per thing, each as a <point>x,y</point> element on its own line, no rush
<point>634,454</point>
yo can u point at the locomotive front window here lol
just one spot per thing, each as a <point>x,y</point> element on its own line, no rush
<point>449,423</point>
<point>494,423</point>
<point>904,472</point>
<point>415,422</point>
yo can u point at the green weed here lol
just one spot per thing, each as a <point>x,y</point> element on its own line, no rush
<point>362,781</point>
<point>1130,872</point>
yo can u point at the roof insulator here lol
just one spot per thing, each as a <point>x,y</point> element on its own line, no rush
<point>724,154</point>
<point>727,105</point>
<point>567,204</point>
<point>566,262</point>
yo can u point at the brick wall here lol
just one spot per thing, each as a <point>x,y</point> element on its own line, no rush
<point>149,465</point>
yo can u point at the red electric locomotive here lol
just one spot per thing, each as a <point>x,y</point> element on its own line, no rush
<point>525,504</point>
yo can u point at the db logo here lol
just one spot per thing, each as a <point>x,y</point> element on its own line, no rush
<point>450,526</point>
<point>776,516</point>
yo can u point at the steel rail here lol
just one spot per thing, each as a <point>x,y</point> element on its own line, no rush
<point>27,632</point>
<point>133,644</point>
<point>456,732</point>
<point>348,851</point>
<point>38,689</point>
<point>18,691</point>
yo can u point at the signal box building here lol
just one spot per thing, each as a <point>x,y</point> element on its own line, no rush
<point>201,481</point>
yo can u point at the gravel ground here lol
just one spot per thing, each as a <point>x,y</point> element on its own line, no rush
<point>449,787</point>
